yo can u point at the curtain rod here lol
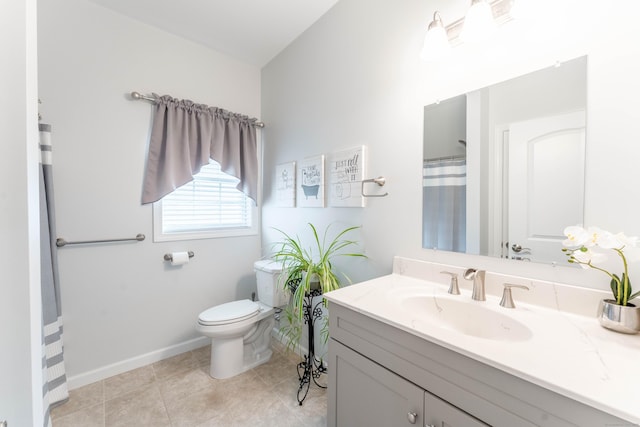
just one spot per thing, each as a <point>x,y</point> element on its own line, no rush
<point>138,96</point>
<point>452,157</point>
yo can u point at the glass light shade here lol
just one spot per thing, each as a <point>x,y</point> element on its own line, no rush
<point>525,9</point>
<point>436,44</point>
<point>478,23</point>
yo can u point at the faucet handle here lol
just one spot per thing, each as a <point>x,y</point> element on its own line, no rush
<point>507,299</point>
<point>453,286</point>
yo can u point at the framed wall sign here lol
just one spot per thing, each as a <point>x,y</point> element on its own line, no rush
<point>310,184</point>
<point>345,172</point>
<point>286,185</point>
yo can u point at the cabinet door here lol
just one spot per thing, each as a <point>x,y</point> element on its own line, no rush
<point>439,413</point>
<point>366,394</point>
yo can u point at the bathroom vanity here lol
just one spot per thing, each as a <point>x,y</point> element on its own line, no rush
<point>405,352</point>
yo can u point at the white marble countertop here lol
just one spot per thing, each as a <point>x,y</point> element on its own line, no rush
<point>568,353</point>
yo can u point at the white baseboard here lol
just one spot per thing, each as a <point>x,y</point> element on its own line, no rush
<point>99,374</point>
<point>135,362</point>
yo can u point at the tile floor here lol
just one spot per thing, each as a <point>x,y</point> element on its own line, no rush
<point>179,392</point>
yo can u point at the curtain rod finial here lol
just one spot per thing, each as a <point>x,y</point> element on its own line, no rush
<point>136,95</point>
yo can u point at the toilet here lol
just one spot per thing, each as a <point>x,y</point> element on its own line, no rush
<point>240,330</point>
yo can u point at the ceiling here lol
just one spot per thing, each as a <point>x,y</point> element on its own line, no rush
<point>252,31</point>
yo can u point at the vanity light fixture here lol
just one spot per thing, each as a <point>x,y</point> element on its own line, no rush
<point>478,23</point>
<point>483,16</point>
<point>436,43</point>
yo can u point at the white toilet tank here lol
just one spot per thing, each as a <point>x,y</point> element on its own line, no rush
<point>270,285</point>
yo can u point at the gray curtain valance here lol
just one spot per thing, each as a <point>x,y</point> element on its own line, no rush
<point>185,135</point>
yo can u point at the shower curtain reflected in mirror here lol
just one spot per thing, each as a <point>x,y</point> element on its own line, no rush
<point>54,388</point>
<point>444,204</point>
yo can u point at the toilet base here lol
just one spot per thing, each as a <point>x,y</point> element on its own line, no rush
<point>231,357</point>
<point>222,367</point>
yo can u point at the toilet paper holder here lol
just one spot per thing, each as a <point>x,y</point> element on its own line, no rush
<point>169,257</point>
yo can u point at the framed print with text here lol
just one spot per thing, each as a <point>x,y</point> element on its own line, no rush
<point>310,184</point>
<point>345,172</point>
<point>286,185</point>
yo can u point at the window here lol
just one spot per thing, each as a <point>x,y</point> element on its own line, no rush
<point>209,206</point>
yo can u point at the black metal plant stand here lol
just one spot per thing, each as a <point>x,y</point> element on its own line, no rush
<point>311,368</point>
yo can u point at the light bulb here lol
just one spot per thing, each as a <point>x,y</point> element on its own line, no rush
<point>436,43</point>
<point>478,23</point>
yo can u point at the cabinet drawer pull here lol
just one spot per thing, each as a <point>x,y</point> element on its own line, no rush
<point>412,417</point>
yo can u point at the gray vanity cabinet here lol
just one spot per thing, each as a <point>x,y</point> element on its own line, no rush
<point>439,413</point>
<point>369,395</point>
<point>381,375</point>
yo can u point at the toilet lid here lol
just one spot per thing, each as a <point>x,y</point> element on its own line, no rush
<point>230,312</point>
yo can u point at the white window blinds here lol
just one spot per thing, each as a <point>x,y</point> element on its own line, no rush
<point>208,204</point>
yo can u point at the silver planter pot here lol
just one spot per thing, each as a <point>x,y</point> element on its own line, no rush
<point>619,318</point>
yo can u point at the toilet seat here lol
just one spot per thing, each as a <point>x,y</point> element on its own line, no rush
<point>231,312</point>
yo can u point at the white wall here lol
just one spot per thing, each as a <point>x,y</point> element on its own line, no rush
<point>20,313</point>
<point>355,78</point>
<point>122,304</point>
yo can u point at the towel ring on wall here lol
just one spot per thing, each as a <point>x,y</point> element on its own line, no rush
<point>379,180</point>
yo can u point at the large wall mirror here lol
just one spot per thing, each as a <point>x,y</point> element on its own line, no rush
<point>503,171</point>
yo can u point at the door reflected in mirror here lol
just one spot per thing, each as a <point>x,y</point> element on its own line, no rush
<point>503,170</point>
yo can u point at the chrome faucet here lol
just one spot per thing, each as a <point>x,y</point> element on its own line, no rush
<point>477,276</point>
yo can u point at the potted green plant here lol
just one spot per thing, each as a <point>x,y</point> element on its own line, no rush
<point>309,268</point>
<point>583,247</point>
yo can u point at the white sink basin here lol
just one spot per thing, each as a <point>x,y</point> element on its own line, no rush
<point>468,317</point>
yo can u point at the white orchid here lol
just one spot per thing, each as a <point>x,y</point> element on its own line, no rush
<point>627,242</point>
<point>587,256</point>
<point>576,236</point>
<point>579,247</point>
<point>604,239</point>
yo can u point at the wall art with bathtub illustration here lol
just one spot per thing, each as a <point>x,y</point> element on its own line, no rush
<point>345,173</point>
<point>286,185</point>
<point>311,182</point>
